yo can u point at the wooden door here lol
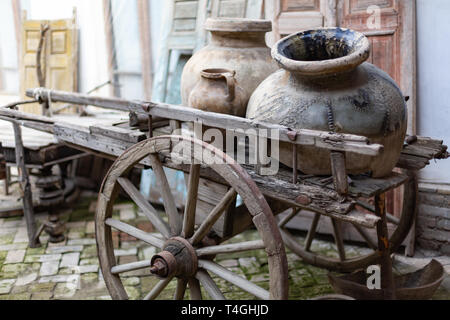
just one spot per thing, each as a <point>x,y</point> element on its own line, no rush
<point>390,27</point>
<point>59,58</point>
<point>289,16</point>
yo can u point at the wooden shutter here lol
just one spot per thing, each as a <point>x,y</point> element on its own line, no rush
<point>59,57</point>
<point>237,9</point>
<point>289,16</point>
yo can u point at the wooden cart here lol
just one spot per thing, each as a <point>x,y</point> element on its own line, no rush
<point>188,241</point>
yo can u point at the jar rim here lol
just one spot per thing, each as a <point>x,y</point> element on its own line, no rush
<point>217,73</point>
<point>238,25</point>
<point>329,51</point>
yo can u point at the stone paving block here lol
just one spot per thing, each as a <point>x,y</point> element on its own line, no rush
<point>89,252</point>
<point>35,251</point>
<point>52,245</point>
<point>49,268</point>
<point>65,291</point>
<point>132,281</point>
<point>19,289</point>
<point>82,269</point>
<point>133,293</point>
<point>81,242</point>
<point>15,256</point>
<point>44,258</point>
<point>121,206</point>
<point>42,296</point>
<point>250,265</point>
<point>128,252</point>
<point>21,236</point>
<point>64,249</point>
<point>70,259</point>
<point>42,287</point>
<point>90,227</point>
<point>26,279</point>
<point>229,263</point>
<point>16,297</point>
<point>147,253</point>
<point>13,223</point>
<point>127,214</point>
<point>6,285</point>
<point>69,278</point>
<point>73,235</point>
<point>10,271</point>
<point>76,225</point>
<point>14,246</point>
<point>90,261</point>
<point>7,238</point>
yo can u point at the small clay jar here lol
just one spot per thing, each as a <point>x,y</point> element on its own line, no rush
<point>217,91</point>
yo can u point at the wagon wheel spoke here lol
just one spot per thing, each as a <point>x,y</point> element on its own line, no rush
<point>181,289</point>
<point>130,267</point>
<point>212,218</point>
<point>156,291</point>
<point>149,211</point>
<point>166,193</point>
<point>232,278</point>
<point>231,248</point>
<point>136,233</point>
<point>191,205</point>
<point>289,217</point>
<point>339,240</point>
<point>366,236</point>
<point>194,288</point>
<point>210,286</point>
<point>312,232</point>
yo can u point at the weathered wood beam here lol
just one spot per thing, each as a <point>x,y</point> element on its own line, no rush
<point>235,125</point>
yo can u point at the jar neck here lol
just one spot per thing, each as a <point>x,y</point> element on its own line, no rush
<point>238,39</point>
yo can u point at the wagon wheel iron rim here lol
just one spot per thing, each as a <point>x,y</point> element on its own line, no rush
<point>193,268</point>
<point>343,263</point>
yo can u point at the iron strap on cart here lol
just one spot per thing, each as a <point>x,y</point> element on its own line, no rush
<point>187,243</point>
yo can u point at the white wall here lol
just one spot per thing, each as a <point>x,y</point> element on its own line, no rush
<point>93,58</point>
<point>8,50</point>
<point>433,80</point>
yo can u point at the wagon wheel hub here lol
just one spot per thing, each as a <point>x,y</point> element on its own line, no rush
<point>178,258</point>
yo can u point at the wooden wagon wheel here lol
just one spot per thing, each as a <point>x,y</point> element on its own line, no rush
<point>186,251</point>
<point>344,264</point>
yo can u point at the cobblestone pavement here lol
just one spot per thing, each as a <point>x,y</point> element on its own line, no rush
<point>70,270</point>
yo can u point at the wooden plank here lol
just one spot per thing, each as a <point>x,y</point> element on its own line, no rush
<point>235,125</point>
<point>118,133</point>
<point>146,47</point>
<point>26,189</point>
<point>339,172</point>
<point>326,202</point>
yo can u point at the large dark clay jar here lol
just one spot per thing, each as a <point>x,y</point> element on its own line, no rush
<point>325,84</point>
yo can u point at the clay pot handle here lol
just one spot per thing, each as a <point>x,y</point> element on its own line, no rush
<point>231,84</point>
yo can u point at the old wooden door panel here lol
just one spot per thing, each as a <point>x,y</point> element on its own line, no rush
<point>390,27</point>
<point>382,27</point>
<point>59,58</point>
<point>237,9</point>
<point>289,16</point>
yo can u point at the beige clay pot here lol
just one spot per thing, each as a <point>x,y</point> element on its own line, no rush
<point>236,44</point>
